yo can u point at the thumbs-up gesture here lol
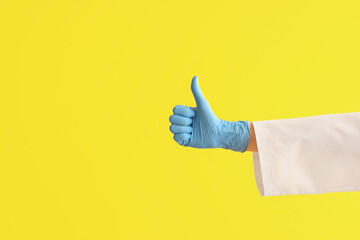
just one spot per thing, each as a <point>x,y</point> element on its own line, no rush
<point>199,127</point>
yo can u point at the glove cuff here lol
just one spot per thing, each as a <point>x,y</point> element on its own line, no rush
<point>235,135</point>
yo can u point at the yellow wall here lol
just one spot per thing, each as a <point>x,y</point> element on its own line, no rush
<point>86,91</point>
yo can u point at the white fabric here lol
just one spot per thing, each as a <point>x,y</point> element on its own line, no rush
<point>308,155</point>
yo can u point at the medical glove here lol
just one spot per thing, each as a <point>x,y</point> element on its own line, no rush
<point>199,127</point>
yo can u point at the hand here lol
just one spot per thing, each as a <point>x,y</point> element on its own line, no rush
<point>199,127</point>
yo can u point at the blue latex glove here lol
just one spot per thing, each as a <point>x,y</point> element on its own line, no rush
<point>199,127</point>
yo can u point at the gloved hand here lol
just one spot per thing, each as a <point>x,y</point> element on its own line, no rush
<point>199,127</point>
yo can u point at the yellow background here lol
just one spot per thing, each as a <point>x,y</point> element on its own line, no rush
<point>86,91</point>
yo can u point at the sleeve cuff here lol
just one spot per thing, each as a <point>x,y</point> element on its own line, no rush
<point>261,164</point>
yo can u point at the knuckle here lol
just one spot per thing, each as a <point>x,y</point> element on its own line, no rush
<point>176,108</point>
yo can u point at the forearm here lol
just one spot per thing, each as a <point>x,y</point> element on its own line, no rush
<point>252,144</point>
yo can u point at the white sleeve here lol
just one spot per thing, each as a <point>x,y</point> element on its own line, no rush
<point>308,155</point>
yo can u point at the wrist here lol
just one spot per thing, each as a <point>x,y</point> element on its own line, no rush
<point>234,135</point>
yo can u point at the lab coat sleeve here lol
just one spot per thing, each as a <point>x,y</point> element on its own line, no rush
<point>308,155</point>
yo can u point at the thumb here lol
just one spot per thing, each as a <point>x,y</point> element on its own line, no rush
<point>198,95</point>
